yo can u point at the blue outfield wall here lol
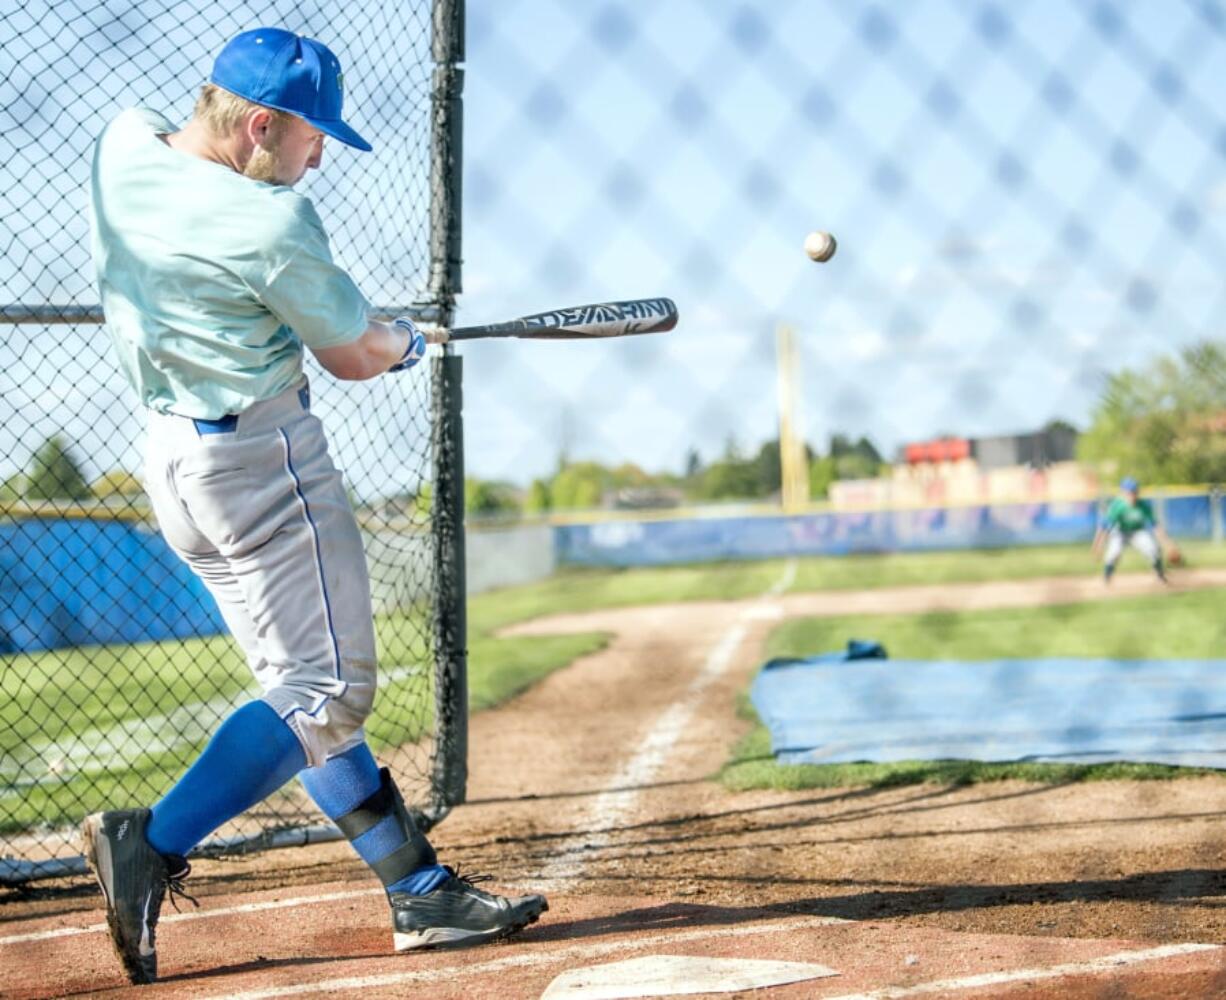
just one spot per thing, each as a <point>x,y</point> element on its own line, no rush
<point>79,582</point>
<point>707,539</point>
<point>72,582</point>
<point>1189,516</point>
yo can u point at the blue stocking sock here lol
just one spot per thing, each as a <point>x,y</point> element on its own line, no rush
<point>252,754</point>
<point>343,783</point>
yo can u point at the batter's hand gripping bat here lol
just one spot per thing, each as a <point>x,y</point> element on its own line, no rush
<point>604,319</point>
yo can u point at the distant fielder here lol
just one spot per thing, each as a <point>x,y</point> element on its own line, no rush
<point>214,277</point>
<point>1130,521</point>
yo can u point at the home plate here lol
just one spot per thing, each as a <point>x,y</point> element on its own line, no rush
<point>672,975</point>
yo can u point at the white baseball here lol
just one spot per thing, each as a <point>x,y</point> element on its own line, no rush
<point>820,246</point>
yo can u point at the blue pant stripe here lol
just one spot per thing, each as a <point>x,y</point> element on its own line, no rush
<point>319,559</point>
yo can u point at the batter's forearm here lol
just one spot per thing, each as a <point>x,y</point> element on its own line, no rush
<point>387,345</point>
<point>380,346</point>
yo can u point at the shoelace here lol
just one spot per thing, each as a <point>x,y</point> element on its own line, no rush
<point>175,882</point>
<point>469,879</point>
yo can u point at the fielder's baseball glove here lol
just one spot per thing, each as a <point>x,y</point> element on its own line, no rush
<point>1174,557</point>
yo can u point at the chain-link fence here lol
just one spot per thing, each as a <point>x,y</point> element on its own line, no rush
<point>1029,201</point>
<point>114,663</point>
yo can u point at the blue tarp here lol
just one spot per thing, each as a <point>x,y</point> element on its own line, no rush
<point>78,582</point>
<point>837,709</point>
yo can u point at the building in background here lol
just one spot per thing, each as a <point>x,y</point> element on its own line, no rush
<point>1032,467</point>
<point>1054,444</point>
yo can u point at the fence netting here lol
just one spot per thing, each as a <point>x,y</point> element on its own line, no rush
<point>1029,201</point>
<point>114,664</point>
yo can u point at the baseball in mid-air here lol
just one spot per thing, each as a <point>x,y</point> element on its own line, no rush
<point>820,246</point>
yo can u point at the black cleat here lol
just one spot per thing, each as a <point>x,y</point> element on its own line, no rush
<point>458,914</point>
<point>134,879</point>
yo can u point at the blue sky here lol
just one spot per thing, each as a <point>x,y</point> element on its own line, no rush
<point>1026,196</point>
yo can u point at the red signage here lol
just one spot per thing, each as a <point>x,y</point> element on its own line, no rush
<point>941,450</point>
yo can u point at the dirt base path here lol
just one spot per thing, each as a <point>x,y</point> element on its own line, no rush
<point>597,779</point>
<point>594,786</point>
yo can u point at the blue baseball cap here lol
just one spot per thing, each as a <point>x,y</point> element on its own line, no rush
<point>1129,485</point>
<point>278,69</point>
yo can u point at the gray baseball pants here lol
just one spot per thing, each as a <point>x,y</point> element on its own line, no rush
<point>1144,541</point>
<point>254,505</point>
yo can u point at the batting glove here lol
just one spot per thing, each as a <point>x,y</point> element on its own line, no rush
<point>417,344</point>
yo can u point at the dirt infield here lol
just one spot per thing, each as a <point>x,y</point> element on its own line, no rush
<point>593,786</point>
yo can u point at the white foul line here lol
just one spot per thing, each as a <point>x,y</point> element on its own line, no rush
<point>587,952</point>
<point>536,958</point>
<point>174,918</point>
<point>641,767</point>
<point>651,754</point>
<point>1094,965</point>
<point>786,579</point>
<point>655,749</point>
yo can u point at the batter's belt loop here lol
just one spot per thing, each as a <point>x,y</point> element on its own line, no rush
<point>223,425</point>
<point>229,423</point>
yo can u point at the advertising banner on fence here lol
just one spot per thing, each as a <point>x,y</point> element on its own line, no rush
<point>75,582</point>
<point>704,539</point>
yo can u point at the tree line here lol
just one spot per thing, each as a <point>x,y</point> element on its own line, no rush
<point>734,475</point>
<point>54,474</point>
<point>1163,422</point>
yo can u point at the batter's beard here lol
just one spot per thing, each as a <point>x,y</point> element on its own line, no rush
<point>264,165</point>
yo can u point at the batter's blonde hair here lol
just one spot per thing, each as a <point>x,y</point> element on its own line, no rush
<point>222,111</point>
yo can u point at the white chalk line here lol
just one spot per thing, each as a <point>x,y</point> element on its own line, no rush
<point>174,918</point>
<point>642,765</point>
<point>536,958</point>
<point>1106,963</point>
<point>620,947</point>
<point>786,578</point>
<point>608,809</point>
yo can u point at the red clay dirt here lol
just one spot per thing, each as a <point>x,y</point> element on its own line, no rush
<point>594,787</point>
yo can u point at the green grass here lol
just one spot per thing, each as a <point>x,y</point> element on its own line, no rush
<point>752,766</point>
<point>895,570</point>
<point>1172,625</point>
<point>93,702</point>
<point>579,589</point>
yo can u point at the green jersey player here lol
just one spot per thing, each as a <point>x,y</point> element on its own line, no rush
<point>1130,521</point>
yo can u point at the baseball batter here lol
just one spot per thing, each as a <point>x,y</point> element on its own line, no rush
<point>1130,521</point>
<point>214,276</point>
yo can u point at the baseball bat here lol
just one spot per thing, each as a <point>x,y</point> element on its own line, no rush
<point>603,319</point>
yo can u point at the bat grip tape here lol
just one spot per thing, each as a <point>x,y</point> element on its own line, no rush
<point>386,801</point>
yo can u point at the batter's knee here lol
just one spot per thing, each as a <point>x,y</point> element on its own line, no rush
<point>325,715</point>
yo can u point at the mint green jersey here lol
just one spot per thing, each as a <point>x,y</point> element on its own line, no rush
<point>1129,517</point>
<point>211,282</point>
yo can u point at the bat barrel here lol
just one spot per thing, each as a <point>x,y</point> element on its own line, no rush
<point>600,320</point>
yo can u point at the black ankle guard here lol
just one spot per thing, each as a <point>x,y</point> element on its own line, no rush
<point>414,853</point>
